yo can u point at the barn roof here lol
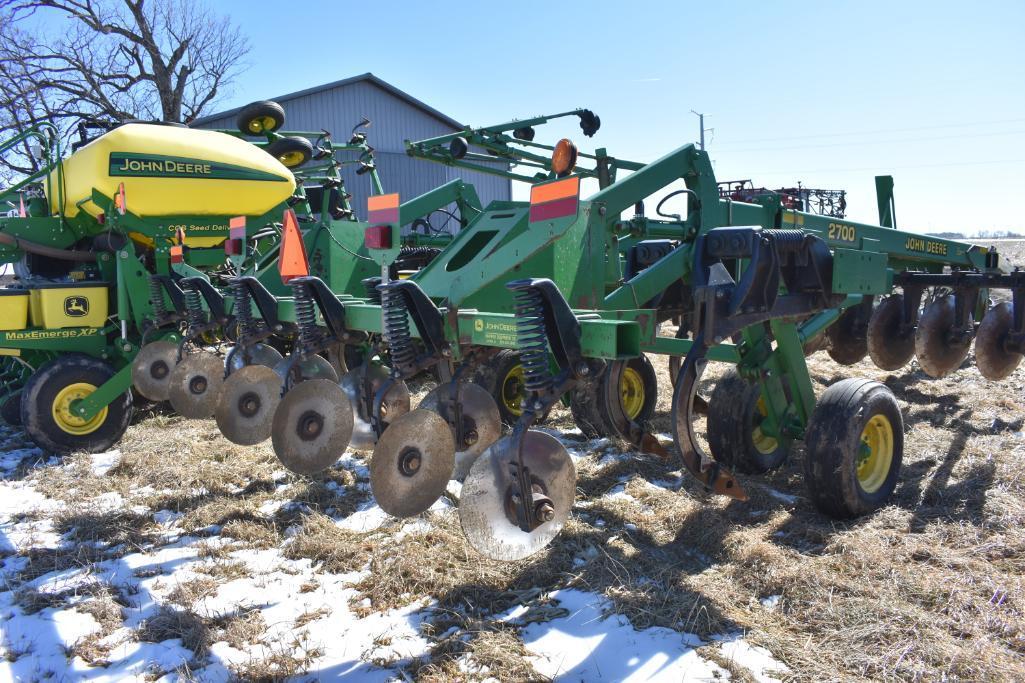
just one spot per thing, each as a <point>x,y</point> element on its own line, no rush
<point>369,77</point>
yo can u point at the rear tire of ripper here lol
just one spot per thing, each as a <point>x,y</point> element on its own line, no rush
<point>48,396</point>
<point>638,390</point>
<point>734,436</point>
<point>854,447</point>
<point>502,377</point>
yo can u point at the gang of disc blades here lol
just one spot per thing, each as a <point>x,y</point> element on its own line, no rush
<point>312,426</point>
<point>412,463</point>
<point>195,385</point>
<point>245,409</point>
<point>480,416</point>
<point>484,503</point>
<point>151,369</point>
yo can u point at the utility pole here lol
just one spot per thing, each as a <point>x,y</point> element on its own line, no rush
<point>701,124</point>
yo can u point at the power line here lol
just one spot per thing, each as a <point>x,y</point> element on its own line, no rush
<point>897,141</point>
<point>993,162</point>
<point>874,132</point>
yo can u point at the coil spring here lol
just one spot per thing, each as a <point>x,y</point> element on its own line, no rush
<point>373,294</point>
<point>305,315</point>
<point>786,240</point>
<point>194,307</point>
<point>243,308</point>
<point>395,326</point>
<point>156,298</point>
<point>531,339</point>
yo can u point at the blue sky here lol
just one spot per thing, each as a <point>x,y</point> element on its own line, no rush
<point>828,93</point>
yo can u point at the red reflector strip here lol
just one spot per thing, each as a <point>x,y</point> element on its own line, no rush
<point>383,208</point>
<point>551,210</point>
<point>232,247</point>
<point>177,254</point>
<point>377,237</point>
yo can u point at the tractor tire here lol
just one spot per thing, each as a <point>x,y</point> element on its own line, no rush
<point>855,445</point>
<point>46,398</point>
<point>734,437</point>
<point>260,117</point>
<point>638,391</point>
<point>10,410</point>
<point>292,152</point>
<point>502,377</point>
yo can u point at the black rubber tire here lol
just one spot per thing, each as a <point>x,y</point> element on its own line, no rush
<point>494,376</point>
<point>10,410</point>
<point>833,443</point>
<point>42,389</point>
<point>591,413</point>
<point>886,347</point>
<point>251,119</point>
<point>848,340</point>
<point>731,424</point>
<point>283,149</point>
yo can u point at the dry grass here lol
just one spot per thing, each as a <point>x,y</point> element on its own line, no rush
<point>930,587</point>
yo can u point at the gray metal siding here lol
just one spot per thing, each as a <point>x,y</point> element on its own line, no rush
<point>394,120</point>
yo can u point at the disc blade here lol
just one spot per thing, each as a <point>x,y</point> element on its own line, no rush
<point>195,384</point>
<point>311,426</point>
<point>396,403</point>
<point>412,463</point>
<point>482,421</point>
<point>887,347</point>
<point>994,361</point>
<point>257,354</point>
<point>245,409</point>
<point>937,355</point>
<point>483,502</point>
<point>311,367</point>
<point>151,369</point>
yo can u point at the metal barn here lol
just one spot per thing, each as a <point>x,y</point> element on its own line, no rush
<point>396,116</point>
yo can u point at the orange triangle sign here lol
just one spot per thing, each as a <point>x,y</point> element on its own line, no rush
<point>292,260</point>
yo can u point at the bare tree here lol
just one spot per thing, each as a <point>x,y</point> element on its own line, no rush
<point>67,61</point>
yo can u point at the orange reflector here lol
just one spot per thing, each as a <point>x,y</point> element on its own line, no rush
<point>564,157</point>
<point>560,189</point>
<point>554,200</point>
<point>383,208</point>
<point>237,227</point>
<point>21,202</point>
<point>177,254</point>
<point>292,262</point>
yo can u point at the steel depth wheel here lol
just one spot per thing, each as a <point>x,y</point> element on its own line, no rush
<point>855,446</point>
<point>49,400</point>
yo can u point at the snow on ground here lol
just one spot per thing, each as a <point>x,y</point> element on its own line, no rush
<point>307,612</point>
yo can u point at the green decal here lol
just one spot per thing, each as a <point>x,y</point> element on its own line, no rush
<point>157,166</point>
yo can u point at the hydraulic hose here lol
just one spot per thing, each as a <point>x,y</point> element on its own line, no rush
<point>43,250</point>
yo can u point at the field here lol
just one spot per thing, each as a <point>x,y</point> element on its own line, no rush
<point>185,556</point>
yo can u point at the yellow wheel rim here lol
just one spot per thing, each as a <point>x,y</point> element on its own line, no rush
<point>291,159</point>
<point>69,422</point>
<point>512,391</point>
<point>631,390</point>
<point>261,124</point>
<point>762,442</point>
<point>876,454</point>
